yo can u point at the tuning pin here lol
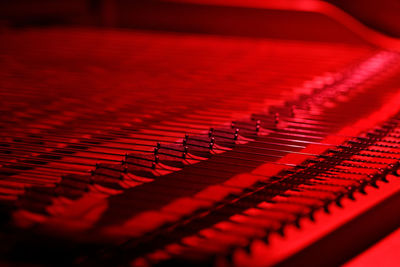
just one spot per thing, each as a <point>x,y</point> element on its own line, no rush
<point>395,169</point>
<point>326,207</point>
<point>276,116</point>
<point>156,160</point>
<point>361,187</point>
<point>124,160</point>
<point>373,184</point>
<point>372,181</point>
<point>185,140</point>
<point>157,148</point>
<point>211,132</point>
<point>212,142</point>
<point>338,202</point>
<point>281,230</point>
<point>236,135</point>
<point>258,125</point>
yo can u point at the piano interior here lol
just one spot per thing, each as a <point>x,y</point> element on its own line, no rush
<point>197,133</point>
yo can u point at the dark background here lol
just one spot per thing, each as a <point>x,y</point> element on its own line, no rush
<point>383,15</point>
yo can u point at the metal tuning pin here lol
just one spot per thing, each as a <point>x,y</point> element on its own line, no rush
<point>185,140</point>
<point>236,134</point>
<point>210,132</point>
<point>276,119</point>
<point>157,148</point>
<point>212,143</point>
<point>258,126</point>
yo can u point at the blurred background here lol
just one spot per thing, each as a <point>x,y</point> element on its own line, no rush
<point>381,15</point>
